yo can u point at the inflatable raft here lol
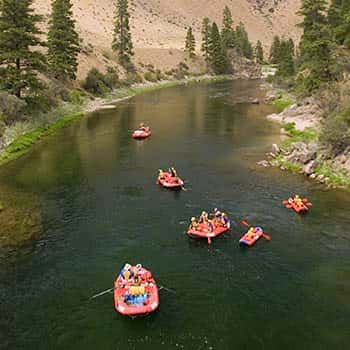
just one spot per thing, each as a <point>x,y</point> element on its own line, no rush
<point>168,181</point>
<point>299,207</point>
<point>141,134</point>
<point>136,300</point>
<point>202,231</point>
<point>251,237</point>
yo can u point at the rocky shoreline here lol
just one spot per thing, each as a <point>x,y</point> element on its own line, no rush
<point>301,151</point>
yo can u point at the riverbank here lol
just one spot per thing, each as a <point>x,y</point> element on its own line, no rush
<point>301,150</point>
<point>20,137</point>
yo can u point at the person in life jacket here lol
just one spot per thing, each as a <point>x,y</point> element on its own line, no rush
<point>210,225</point>
<point>161,175</point>
<point>251,232</point>
<point>203,217</point>
<point>298,200</point>
<point>225,221</point>
<point>217,216</point>
<point>126,273</point>
<point>194,224</point>
<point>173,172</point>
<point>142,127</point>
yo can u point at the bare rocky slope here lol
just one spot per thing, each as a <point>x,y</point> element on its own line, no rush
<point>158,26</point>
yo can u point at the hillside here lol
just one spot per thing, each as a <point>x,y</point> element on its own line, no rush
<point>158,25</point>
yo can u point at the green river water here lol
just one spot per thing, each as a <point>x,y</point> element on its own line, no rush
<point>85,201</point>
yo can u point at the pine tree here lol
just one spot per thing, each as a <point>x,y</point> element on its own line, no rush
<point>315,46</point>
<point>339,21</point>
<point>122,42</point>
<point>286,66</point>
<point>227,33</point>
<point>63,41</point>
<point>291,46</point>
<point>218,58</point>
<point>190,45</point>
<point>259,52</point>
<point>334,13</point>
<point>242,41</point>
<point>20,62</point>
<point>275,50</point>
<point>206,30</point>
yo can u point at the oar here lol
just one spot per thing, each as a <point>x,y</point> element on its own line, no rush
<point>103,293</point>
<point>267,237</point>
<point>167,289</point>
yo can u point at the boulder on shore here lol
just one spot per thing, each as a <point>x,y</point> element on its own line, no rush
<point>310,167</point>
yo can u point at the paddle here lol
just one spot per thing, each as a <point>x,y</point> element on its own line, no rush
<point>112,289</point>
<point>103,293</point>
<point>167,289</point>
<point>267,237</point>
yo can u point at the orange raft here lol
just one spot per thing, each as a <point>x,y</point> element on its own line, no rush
<point>141,134</point>
<point>301,206</point>
<point>202,231</point>
<point>168,181</point>
<point>252,236</point>
<point>136,300</point>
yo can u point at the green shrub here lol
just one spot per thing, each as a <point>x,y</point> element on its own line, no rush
<point>11,107</point>
<point>159,75</point>
<point>149,76</point>
<point>336,131</point>
<point>282,103</point>
<point>132,78</point>
<point>95,83</point>
<point>76,97</point>
<point>111,78</point>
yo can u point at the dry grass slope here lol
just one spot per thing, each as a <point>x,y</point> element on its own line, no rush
<point>158,26</point>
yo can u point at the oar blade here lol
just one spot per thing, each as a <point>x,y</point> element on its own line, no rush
<point>267,237</point>
<point>243,222</point>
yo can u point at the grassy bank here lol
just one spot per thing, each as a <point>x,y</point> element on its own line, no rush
<point>283,101</point>
<point>26,134</point>
<point>22,144</point>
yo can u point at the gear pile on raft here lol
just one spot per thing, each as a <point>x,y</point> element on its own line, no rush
<point>135,291</point>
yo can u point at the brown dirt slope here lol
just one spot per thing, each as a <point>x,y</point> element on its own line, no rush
<point>159,25</point>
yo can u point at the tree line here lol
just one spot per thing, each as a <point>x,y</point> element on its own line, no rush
<point>22,49</point>
<point>216,44</point>
<point>316,61</point>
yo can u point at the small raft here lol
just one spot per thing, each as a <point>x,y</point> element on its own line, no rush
<point>299,207</point>
<point>168,181</point>
<point>202,231</point>
<point>251,237</point>
<point>141,134</point>
<point>136,300</point>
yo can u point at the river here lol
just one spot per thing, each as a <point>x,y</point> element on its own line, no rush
<point>85,201</point>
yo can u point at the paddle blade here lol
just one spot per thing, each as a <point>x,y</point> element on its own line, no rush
<point>267,237</point>
<point>309,204</point>
<point>209,240</point>
<point>243,222</point>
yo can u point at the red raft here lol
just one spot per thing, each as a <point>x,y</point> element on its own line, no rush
<point>300,207</point>
<point>140,300</point>
<point>252,236</point>
<point>141,134</point>
<point>168,181</point>
<point>203,231</point>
